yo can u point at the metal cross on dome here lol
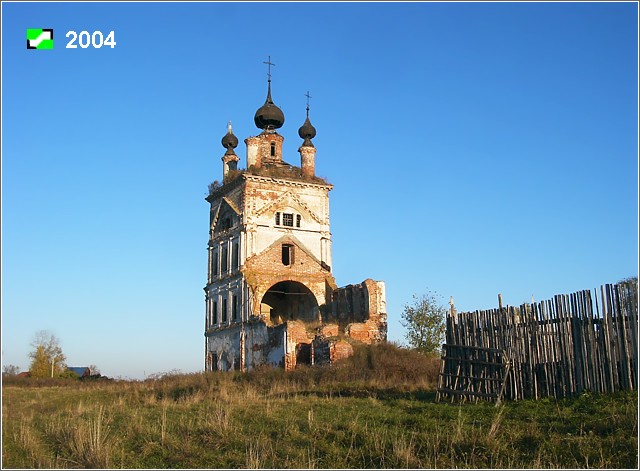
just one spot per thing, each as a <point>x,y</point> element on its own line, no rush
<point>308,96</point>
<point>269,64</point>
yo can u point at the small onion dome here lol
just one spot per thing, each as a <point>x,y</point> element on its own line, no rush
<point>269,116</point>
<point>307,131</point>
<point>230,141</point>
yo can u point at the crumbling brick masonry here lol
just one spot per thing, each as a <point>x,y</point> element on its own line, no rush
<point>271,298</point>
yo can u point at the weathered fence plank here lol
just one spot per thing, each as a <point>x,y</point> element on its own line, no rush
<point>559,347</point>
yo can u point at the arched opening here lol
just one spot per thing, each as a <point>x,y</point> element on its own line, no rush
<point>289,300</point>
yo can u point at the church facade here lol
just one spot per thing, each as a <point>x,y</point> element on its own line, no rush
<point>271,298</point>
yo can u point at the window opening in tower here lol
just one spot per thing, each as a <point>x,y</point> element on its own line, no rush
<point>224,311</point>
<point>287,254</point>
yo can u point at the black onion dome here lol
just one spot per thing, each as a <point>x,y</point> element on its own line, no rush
<point>229,141</point>
<point>269,116</point>
<point>307,131</point>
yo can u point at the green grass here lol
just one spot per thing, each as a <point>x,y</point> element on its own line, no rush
<point>358,415</point>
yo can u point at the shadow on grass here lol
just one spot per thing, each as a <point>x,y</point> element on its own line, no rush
<point>383,394</point>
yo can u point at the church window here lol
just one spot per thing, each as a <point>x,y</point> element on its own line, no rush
<point>235,256</point>
<point>224,311</point>
<point>226,223</point>
<point>298,219</point>
<point>287,219</point>
<point>234,307</point>
<point>225,259</point>
<point>215,263</point>
<point>214,320</point>
<point>273,149</point>
<point>277,219</point>
<point>287,254</point>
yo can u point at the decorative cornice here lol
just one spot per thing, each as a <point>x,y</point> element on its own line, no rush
<point>226,187</point>
<point>297,183</point>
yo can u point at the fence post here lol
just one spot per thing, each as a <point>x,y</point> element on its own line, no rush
<point>558,347</point>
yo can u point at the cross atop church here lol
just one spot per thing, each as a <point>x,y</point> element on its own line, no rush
<point>269,63</point>
<point>308,96</point>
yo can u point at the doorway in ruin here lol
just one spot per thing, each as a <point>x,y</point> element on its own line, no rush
<point>289,300</point>
<point>303,354</point>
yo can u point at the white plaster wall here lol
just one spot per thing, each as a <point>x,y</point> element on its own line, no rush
<point>311,202</point>
<point>277,353</point>
<point>252,153</point>
<point>226,345</point>
<point>256,336</point>
<point>382,297</point>
<point>224,288</point>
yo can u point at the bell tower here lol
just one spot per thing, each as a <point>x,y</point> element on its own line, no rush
<point>270,296</point>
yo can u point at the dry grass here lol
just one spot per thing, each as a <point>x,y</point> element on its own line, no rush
<point>362,414</point>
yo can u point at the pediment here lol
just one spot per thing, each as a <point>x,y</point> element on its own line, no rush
<point>291,200</point>
<point>287,239</point>
<point>232,205</point>
<point>225,209</point>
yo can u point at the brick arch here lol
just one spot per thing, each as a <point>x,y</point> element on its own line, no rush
<point>289,300</point>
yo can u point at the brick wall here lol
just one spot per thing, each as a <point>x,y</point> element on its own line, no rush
<point>265,270</point>
<point>360,311</point>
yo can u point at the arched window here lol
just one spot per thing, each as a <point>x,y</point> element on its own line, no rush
<point>273,149</point>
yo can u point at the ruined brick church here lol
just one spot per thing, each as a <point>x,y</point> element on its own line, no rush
<point>270,296</point>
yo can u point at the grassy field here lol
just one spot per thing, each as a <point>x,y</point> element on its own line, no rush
<point>375,410</point>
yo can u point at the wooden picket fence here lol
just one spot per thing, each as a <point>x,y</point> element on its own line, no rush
<point>472,373</point>
<point>555,348</point>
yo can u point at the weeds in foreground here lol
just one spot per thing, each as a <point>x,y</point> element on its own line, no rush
<point>310,418</point>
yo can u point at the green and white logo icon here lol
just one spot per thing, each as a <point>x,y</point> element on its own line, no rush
<point>39,38</point>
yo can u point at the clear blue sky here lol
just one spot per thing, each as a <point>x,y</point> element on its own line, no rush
<point>475,149</point>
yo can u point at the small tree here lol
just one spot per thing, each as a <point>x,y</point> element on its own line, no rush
<point>424,320</point>
<point>47,359</point>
